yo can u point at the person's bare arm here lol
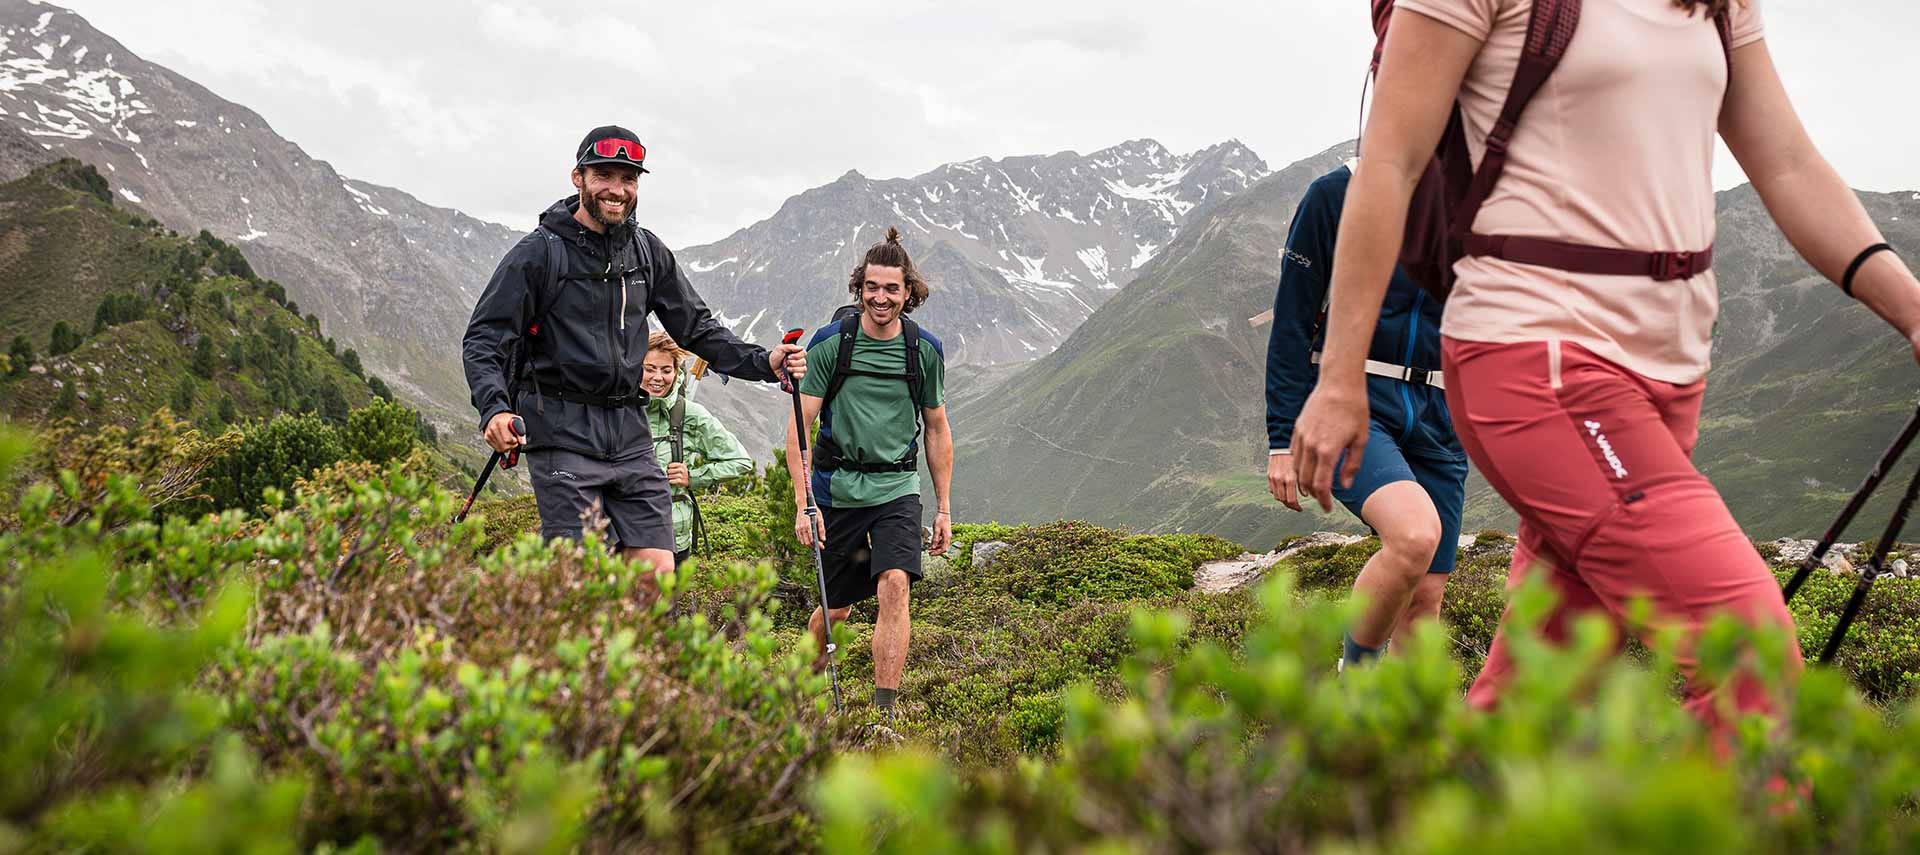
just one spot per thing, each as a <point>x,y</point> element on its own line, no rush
<point>1813,206</point>
<point>809,410</point>
<point>940,463</point>
<point>1420,76</point>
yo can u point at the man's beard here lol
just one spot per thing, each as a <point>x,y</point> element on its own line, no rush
<point>593,210</point>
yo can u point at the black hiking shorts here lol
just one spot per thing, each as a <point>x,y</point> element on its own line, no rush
<point>863,543</point>
<point>631,494</point>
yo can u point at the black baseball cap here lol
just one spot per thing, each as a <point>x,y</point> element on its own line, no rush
<point>611,144</point>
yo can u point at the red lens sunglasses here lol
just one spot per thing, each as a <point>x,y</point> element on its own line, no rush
<point>614,147</point>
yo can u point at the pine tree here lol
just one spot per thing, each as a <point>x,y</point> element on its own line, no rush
<point>226,411</point>
<point>68,400</point>
<point>204,362</point>
<point>183,397</point>
<point>65,340</point>
<point>21,353</point>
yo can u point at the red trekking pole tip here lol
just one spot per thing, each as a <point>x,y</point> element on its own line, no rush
<point>792,336</point>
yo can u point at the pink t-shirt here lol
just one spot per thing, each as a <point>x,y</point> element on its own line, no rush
<point>1616,150</point>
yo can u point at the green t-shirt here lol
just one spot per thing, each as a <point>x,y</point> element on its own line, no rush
<point>871,419</point>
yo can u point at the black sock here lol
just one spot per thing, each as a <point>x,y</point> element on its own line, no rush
<point>883,698</point>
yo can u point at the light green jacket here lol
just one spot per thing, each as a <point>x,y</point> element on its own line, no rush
<point>713,455</point>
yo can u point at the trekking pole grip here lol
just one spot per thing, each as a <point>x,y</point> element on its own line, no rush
<point>792,337</point>
<point>513,456</point>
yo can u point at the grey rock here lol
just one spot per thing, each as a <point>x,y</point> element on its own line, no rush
<point>984,554</point>
<point>1221,577</point>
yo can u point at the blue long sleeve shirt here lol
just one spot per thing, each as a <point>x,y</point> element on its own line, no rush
<point>1408,332</point>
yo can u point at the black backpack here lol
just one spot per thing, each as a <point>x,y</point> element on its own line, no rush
<point>828,457</point>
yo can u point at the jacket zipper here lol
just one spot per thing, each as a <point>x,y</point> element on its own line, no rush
<point>613,336</point>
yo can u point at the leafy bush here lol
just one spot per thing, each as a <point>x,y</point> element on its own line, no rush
<point>20,354</point>
<point>380,431</point>
<point>1066,562</point>
<point>271,455</point>
<point>1259,747</point>
<point>63,341</point>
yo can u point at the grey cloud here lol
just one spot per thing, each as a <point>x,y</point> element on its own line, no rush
<point>477,105</point>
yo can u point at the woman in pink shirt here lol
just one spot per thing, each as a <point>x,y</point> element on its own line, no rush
<point>1578,394</point>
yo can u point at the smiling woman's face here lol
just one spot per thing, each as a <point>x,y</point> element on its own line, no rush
<point>660,373</point>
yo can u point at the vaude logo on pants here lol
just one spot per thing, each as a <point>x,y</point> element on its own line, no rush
<point>1606,448</point>
<point>559,474</point>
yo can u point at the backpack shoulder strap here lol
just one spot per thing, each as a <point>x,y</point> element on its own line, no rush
<point>547,292</point>
<point>1550,29</point>
<point>842,359</point>
<point>677,428</point>
<point>910,332</point>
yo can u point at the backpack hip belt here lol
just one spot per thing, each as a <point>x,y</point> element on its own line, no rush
<point>1417,376</point>
<point>1597,260</point>
<point>827,458</point>
<point>635,401</point>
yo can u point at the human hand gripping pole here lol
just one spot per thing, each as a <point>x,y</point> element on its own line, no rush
<point>504,459</point>
<point>813,519</point>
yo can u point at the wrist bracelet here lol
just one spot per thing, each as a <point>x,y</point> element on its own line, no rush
<point>1846,282</point>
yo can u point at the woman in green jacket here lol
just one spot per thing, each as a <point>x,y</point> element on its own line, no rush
<point>703,454</point>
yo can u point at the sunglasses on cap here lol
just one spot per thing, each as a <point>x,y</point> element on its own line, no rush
<point>628,149</point>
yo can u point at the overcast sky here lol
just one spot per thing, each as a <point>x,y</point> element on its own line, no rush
<point>478,105</point>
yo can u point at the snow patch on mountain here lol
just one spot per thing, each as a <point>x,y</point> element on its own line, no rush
<point>365,200</point>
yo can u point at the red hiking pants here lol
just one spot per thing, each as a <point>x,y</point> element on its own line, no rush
<point>1597,460</point>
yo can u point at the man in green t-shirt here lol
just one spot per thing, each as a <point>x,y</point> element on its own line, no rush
<point>866,476</point>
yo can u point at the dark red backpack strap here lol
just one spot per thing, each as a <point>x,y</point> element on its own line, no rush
<point>1550,29</point>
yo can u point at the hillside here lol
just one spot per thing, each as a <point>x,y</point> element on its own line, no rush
<point>384,272</point>
<point>123,317</point>
<point>1151,415</point>
<point>1018,251</point>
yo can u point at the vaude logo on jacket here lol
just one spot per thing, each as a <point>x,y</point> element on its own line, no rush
<point>1606,449</point>
<point>1296,258</point>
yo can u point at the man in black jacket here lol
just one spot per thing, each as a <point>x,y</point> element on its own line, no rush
<point>559,338</point>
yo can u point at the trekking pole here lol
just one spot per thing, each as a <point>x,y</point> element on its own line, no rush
<point>503,459</point>
<point>1879,471</point>
<point>1875,566</point>
<point>813,524</point>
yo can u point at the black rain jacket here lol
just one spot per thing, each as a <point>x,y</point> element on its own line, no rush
<point>592,337</point>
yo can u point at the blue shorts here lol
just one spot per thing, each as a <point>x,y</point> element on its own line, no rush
<point>1443,474</point>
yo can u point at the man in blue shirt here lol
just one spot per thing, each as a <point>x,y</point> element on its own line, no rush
<point>1413,473</point>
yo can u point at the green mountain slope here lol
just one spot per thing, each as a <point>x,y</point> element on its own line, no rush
<point>150,318</point>
<point>1151,416</point>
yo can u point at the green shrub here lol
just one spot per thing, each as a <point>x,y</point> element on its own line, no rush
<point>1259,747</point>
<point>64,340</point>
<point>271,455</point>
<point>1332,567</point>
<point>20,355</point>
<point>1066,562</point>
<point>379,432</point>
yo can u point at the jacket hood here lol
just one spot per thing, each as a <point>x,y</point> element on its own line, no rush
<point>665,402</point>
<point>558,218</point>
